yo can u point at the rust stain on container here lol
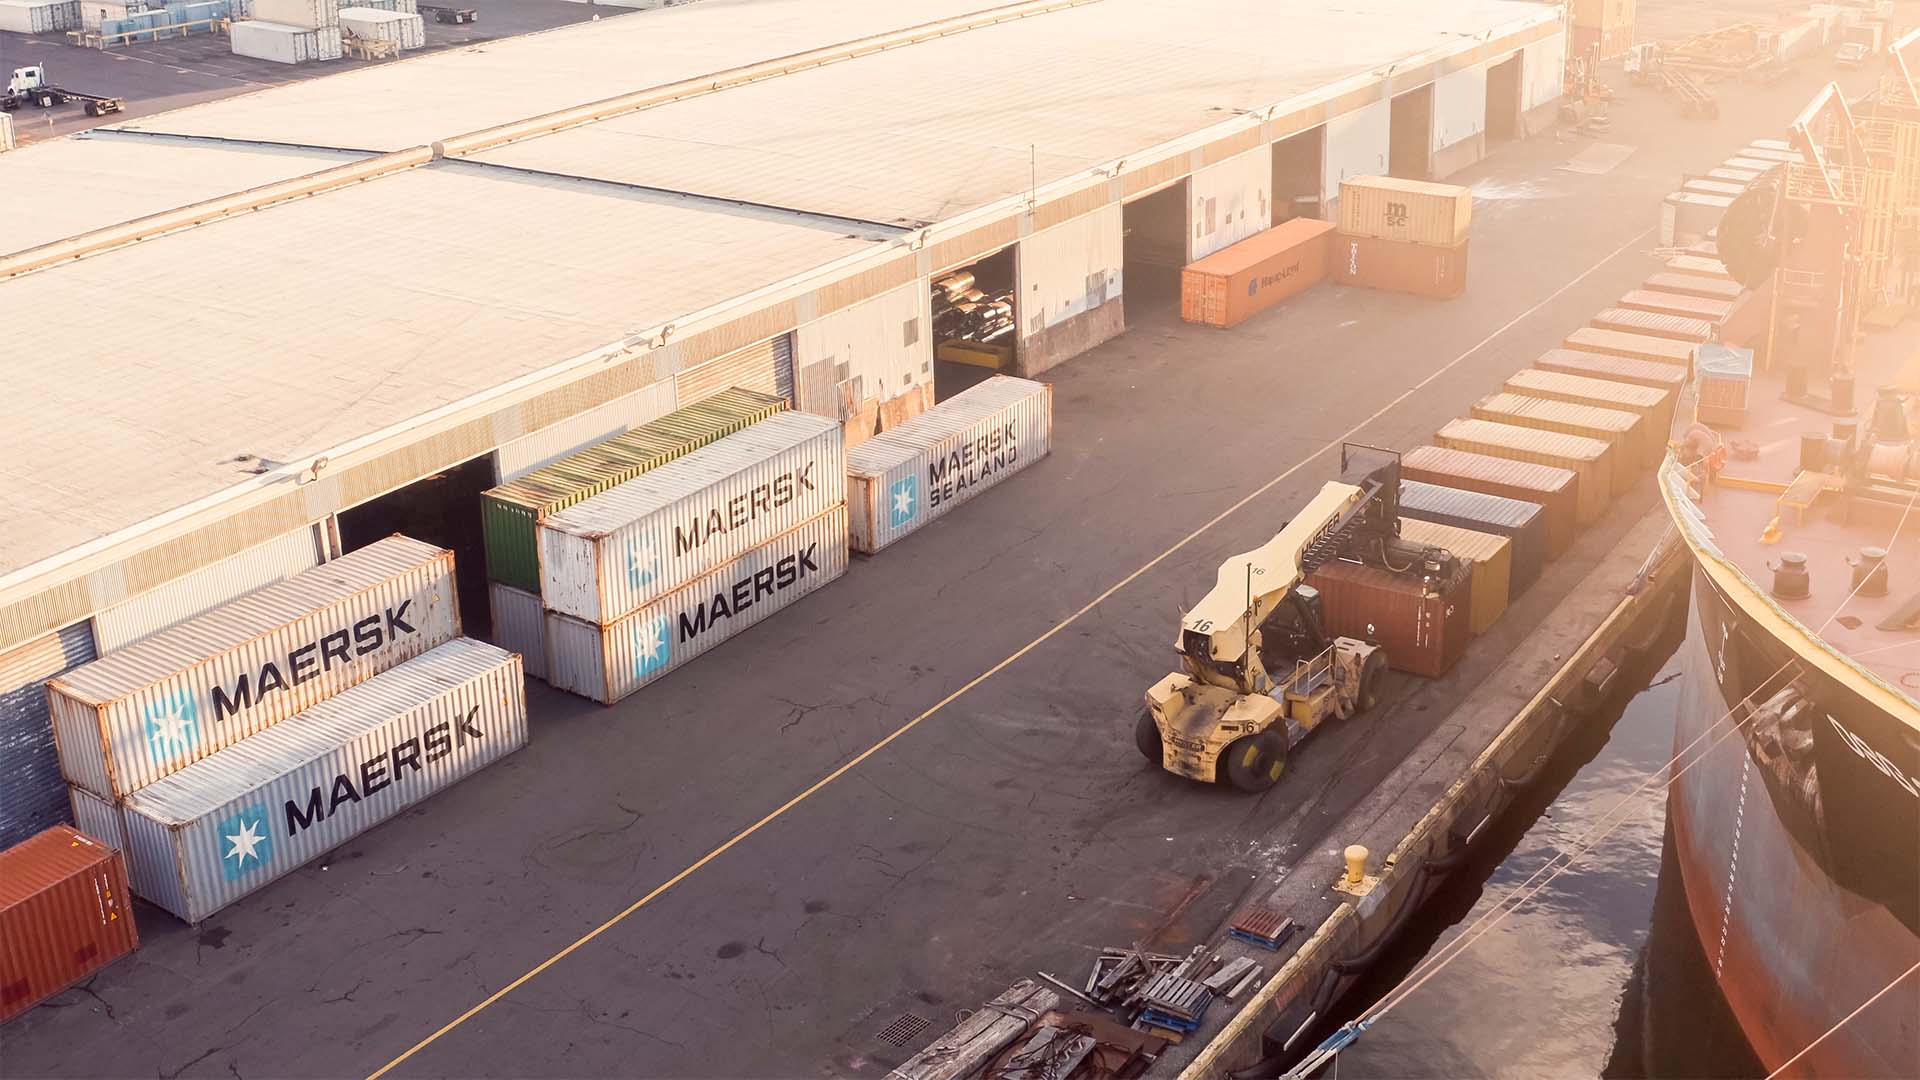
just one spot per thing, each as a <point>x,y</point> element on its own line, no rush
<point>1439,273</point>
<point>1423,625</point>
<point>1554,489</point>
<point>1233,284</point>
<point>1491,557</point>
<point>64,913</point>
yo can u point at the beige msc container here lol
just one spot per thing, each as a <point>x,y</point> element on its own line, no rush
<point>1637,346</point>
<point>1492,559</point>
<point>1412,211</point>
<point>1653,406</point>
<point>1620,430</point>
<point>1588,458</point>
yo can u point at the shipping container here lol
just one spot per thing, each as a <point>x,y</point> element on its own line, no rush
<point>1654,373</point>
<point>606,557</point>
<point>1235,283</point>
<point>1619,429</point>
<point>1743,177</point>
<point>306,14</point>
<point>909,476</point>
<point>1726,376</point>
<point>1654,407</point>
<point>1686,217</point>
<point>1412,211</point>
<point>1522,522</point>
<point>606,663</point>
<point>1636,346</point>
<point>1727,189</point>
<point>510,514</point>
<point>226,826</point>
<point>33,794</point>
<point>152,708</point>
<point>1748,164</point>
<point>65,913</point>
<point>1653,324</point>
<point>1590,459</point>
<point>1693,285</point>
<point>520,626</point>
<point>1490,555</point>
<point>1666,303</point>
<point>39,16</point>
<point>284,44</point>
<point>1774,157</point>
<point>98,817</point>
<point>1699,266</point>
<point>203,590</point>
<point>1439,273</point>
<point>1555,490</point>
<point>1423,625</point>
<point>371,24</point>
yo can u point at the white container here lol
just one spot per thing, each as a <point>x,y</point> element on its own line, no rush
<point>906,477</point>
<point>205,589</point>
<point>284,44</point>
<point>307,14</point>
<point>99,818</point>
<point>95,12</point>
<point>327,45</point>
<point>607,556</point>
<point>370,24</point>
<point>606,663</point>
<point>152,708</point>
<point>210,834</point>
<point>39,16</point>
<point>1686,217</point>
<point>520,625</point>
<point>6,131</point>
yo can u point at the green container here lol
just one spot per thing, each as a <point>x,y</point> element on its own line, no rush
<point>510,514</point>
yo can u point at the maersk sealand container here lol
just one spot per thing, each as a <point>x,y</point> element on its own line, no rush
<point>166,701</point>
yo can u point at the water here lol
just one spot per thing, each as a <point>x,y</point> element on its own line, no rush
<point>1600,973</point>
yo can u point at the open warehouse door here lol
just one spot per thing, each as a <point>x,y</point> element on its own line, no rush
<point>441,509</point>
<point>1154,249</point>
<point>973,322</point>
<point>1410,145</point>
<point>1505,99</point>
<point>1298,161</point>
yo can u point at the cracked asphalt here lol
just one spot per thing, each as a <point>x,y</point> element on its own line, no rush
<point>1015,830</point>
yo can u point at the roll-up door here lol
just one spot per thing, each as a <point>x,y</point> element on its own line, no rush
<point>766,367</point>
<point>33,796</point>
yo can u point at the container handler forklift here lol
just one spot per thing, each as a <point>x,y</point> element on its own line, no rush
<point>1258,670</point>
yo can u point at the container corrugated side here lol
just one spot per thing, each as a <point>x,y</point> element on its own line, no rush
<point>520,626</point>
<point>1522,522</point>
<point>1661,376</point>
<point>1654,324</point>
<point>1554,489</point>
<point>510,514</point>
<point>1693,307</point>
<point>65,913</point>
<point>606,557</point>
<point>1654,407</point>
<point>1422,624</point>
<point>158,705</point>
<point>1234,284</point>
<point>1619,429</point>
<point>205,589</point>
<point>1490,554</point>
<point>1414,211</point>
<point>905,478</point>
<point>98,817</point>
<point>1588,458</point>
<point>226,826</point>
<point>606,663</point>
<point>1637,346</point>
<point>1692,285</point>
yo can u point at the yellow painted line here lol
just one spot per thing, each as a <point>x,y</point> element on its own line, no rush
<point>996,669</point>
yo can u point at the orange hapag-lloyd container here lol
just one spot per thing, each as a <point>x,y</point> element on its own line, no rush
<point>1237,282</point>
<point>1590,459</point>
<point>65,913</point>
<point>1637,346</point>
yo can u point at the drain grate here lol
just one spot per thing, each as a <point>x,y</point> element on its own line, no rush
<point>904,1030</point>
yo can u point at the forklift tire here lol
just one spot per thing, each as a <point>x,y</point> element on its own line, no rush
<point>1373,680</point>
<point>1146,736</point>
<point>1253,763</point>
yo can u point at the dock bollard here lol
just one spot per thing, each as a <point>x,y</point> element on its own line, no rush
<point>1356,864</point>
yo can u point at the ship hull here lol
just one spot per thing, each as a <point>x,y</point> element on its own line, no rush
<point>1782,844</point>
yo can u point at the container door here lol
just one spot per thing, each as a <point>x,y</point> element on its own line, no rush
<point>766,367</point>
<point>35,796</point>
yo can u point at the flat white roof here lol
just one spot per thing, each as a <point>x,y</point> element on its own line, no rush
<point>921,134</point>
<point>294,329</point>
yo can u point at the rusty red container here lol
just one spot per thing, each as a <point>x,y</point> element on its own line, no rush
<point>1555,489</point>
<point>1232,285</point>
<point>1439,273</point>
<point>1423,625</point>
<point>65,913</point>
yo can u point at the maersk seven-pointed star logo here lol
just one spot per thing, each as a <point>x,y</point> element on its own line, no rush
<point>904,497</point>
<point>246,844</point>
<point>651,647</point>
<point>173,725</point>
<point>643,561</point>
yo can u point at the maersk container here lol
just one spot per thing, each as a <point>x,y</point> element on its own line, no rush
<point>165,702</point>
<point>510,514</point>
<point>1620,430</point>
<point>1653,324</point>
<point>1524,523</point>
<point>65,913</point>
<point>1590,459</point>
<point>1491,556</point>
<point>1556,490</point>
<point>226,826</point>
<point>916,472</point>
<point>602,559</point>
<point>1654,407</point>
<point>98,817</point>
<point>520,625</point>
<point>1422,623</point>
<point>606,663</point>
<point>1637,346</point>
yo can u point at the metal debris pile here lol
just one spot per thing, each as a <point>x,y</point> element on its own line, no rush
<point>1162,995</point>
<point>962,312</point>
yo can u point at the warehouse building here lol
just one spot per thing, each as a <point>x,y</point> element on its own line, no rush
<point>250,335</point>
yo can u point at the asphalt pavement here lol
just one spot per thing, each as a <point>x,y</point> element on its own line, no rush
<point>1015,828</point>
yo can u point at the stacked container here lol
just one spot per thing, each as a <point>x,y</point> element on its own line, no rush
<point>1491,557</point>
<point>65,913</point>
<point>1422,622</point>
<point>906,477</point>
<point>1237,282</point>
<point>1590,459</point>
<point>638,579</point>
<point>1403,236</point>
<point>1523,523</point>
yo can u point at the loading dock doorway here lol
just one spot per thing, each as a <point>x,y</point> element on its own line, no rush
<point>973,329</point>
<point>1297,165</point>
<point>1503,100</point>
<point>442,509</point>
<point>1153,251</point>
<point>1410,135</point>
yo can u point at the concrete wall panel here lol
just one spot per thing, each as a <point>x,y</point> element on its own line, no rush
<point>875,350</point>
<point>1357,145</point>
<point>1230,202</point>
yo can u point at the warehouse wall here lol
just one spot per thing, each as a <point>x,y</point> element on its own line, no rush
<point>1459,120</point>
<point>1230,201</point>
<point>866,354</point>
<point>1356,146</point>
<point>1545,63</point>
<point>1069,289</point>
<point>522,456</point>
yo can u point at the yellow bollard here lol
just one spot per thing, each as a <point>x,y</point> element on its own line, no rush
<point>1356,864</point>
